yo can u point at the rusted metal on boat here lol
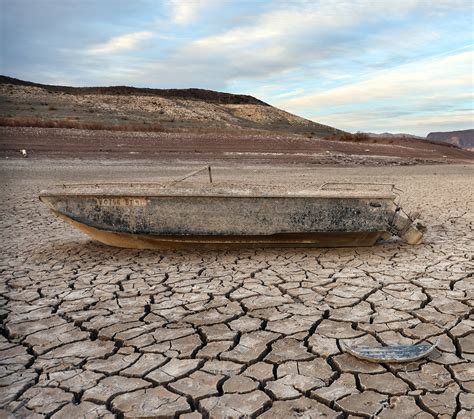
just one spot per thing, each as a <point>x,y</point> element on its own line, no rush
<point>156,216</point>
<point>389,354</point>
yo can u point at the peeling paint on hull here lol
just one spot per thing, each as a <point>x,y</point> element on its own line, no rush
<point>142,241</point>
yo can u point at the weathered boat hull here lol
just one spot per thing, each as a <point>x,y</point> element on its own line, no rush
<point>282,240</point>
<point>147,219</point>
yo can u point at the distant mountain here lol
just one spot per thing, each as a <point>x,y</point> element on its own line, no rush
<point>463,139</point>
<point>391,135</point>
<point>24,103</point>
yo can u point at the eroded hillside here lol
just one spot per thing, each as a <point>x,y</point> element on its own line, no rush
<point>170,109</point>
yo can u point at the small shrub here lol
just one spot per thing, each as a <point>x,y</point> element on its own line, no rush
<point>359,137</point>
<point>17,121</point>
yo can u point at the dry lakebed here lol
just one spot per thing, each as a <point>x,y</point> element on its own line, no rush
<point>96,331</point>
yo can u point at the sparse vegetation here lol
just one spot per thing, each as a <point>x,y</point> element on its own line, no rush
<point>361,137</point>
<point>74,124</point>
<point>358,137</point>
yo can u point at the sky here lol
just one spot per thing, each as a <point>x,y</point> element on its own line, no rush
<point>360,65</point>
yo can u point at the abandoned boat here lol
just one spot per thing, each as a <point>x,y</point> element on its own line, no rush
<point>153,216</point>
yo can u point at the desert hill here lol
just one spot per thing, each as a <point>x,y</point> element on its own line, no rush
<point>463,139</point>
<point>25,103</point>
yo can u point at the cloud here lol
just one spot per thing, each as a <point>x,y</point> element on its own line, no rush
<point>440,75</point>
<point>129,41</point>
<point>418,97</point>
<point>185,12</point>
<point>295,92</point>
<point>294,34</point>
<point>418,123</point>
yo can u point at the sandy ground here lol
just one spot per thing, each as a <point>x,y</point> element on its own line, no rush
<point>94,331</point>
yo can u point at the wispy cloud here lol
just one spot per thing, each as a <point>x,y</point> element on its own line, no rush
<point>295,34</point>
<point>406,122</point>
<point>121,43</point>
<point>414,80</point>
<point>184,12</point>
<point>412,97</point>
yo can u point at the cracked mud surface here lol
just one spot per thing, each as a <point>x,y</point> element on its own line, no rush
<point>94,331</point>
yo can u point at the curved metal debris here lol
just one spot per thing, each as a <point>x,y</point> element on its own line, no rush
<point>395,353</point>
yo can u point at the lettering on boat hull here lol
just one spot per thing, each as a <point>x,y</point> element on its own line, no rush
<point>121,202</point>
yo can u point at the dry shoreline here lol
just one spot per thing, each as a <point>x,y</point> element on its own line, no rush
<point>233,148</point>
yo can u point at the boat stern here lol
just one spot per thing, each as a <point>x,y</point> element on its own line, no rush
<point>407,229</point>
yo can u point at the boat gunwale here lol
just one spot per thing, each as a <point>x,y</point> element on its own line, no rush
<point>225,195</point>
<point>358,190</point>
